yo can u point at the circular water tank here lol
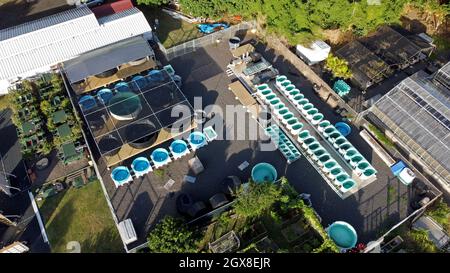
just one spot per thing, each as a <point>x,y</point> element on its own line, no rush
<point>141,134</point>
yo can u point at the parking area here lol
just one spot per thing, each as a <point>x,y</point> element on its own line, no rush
<point>14,12</point>
<point>372,210</point>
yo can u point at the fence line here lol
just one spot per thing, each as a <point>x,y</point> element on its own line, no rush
<point>213,38</point>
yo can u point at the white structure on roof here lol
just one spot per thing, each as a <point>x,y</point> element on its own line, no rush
<point>316,52</point>
<point>34,47</point>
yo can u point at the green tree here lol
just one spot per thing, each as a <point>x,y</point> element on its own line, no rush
<point>152,2</point>
<point>253,199</point>
<point>338,67</point>
<point>172,236</point>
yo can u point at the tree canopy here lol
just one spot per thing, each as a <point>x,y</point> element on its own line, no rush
<point>300,19</point>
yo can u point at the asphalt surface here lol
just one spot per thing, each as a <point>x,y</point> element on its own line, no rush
<point>18,206</point>
<point>372,210</point>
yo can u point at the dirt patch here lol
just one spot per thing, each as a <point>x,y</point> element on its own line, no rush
<point>417,21</point>
<point>338,37</point>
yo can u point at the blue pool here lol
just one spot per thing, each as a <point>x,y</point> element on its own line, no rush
<point>155,75</point>
<point>139,82</point>
<point>87,102</point>
<point>263,172</point>
<point>343,128</point>
<point>343,234</point>
<point>104,95</point>
<point>178,146</point>
<point>141,164</point>
<point>120,175</point>
<point>122,87</point>
<point>160,155</point>
<point>197,138</point>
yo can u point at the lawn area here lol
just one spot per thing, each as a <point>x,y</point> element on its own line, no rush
<point>80,215</point>
<point>171,31</point>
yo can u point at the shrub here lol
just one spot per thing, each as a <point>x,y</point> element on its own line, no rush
<point>254,199</point>
<point>338,67</point>
<point>171,235</point>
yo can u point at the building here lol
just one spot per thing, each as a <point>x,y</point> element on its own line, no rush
<point>37,46</point>
<point>315,53</point>
<point>416,115</point>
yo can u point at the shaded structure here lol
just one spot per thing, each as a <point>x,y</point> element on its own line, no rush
<point>394,48</point>
<point>367,68</point>
<point>146,114</point>
<point>417,113</point>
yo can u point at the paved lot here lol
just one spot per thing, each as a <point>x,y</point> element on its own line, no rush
<point>16,12</point>
<point>371,211</point>
<point>19,204</point>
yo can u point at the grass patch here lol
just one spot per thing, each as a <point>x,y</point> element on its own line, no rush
<point>171,31</point>
<point>80,215</point>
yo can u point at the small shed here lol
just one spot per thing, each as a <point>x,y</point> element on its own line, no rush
<point>315,53</point>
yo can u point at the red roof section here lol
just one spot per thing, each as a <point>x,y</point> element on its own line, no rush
<point>111,8</point>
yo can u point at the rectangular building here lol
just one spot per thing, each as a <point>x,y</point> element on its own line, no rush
<point>416,113</point>
<point>35,47</point>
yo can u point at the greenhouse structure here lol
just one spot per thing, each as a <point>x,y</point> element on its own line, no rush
<point>416,113</point>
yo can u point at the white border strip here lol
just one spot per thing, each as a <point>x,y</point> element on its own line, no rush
<point>38,217</point>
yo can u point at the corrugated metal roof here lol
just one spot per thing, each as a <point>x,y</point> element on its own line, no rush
<point>105,58</point>
<point>44,22</point>
<point>66,40</point>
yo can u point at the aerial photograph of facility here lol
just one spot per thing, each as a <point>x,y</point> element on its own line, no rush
<point>160,126</point>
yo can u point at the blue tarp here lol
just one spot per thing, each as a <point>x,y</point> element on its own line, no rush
<point>398,167</point>
<point>210,28</point>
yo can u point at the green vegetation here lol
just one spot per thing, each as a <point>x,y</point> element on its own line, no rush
<point>300,20</point>
<point>4,102</point>
<point>440,212</point>
<point>171,31</point>
<point>417,241</point>
<point>391,194</point>
<point>255,199</point>
<point>338,67</point>
<point>34,104</point>
<point>159,172</point>
<point>80,215</point>
<point>152,2</point>
<point>280,221</point>
<point>381,136</point>
<point>172,236</point>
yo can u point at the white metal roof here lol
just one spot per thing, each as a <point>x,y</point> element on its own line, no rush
<point>105,58</point>
<point>64,40</point>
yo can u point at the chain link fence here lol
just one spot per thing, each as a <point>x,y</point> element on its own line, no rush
<point>213,38</point>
